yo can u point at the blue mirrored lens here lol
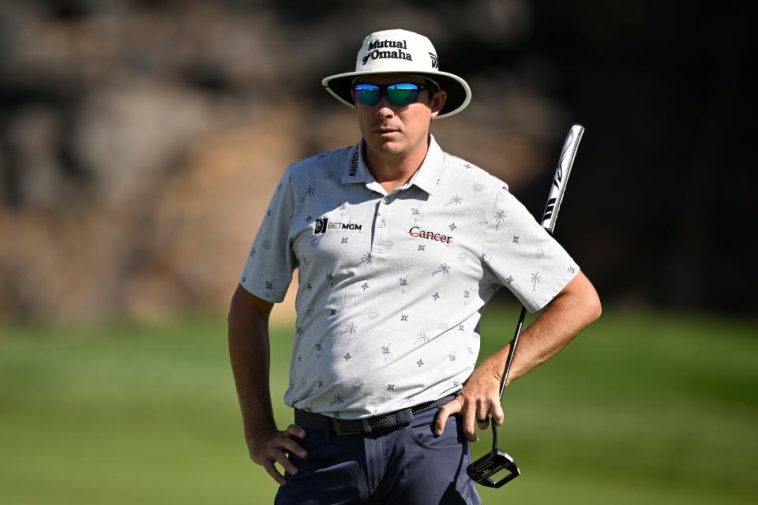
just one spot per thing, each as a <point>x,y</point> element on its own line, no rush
<point>367,94</point>
<point>401,93</point>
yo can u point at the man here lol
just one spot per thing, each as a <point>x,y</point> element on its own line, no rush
<point>398,247</point>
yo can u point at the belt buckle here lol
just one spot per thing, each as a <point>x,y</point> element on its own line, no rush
<point>365,428</point>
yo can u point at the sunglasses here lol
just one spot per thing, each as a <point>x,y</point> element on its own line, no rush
<point>401,93</point>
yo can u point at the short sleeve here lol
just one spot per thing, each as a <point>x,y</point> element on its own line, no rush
<point>268,271</point>
<point>522,256</point>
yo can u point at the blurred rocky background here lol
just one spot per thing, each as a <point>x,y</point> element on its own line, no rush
<point>140,140</point>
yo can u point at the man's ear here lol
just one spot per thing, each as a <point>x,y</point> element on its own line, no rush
<point>438,101</point>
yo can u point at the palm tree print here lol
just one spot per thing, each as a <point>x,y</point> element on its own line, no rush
<point>309,191</point>
<point>499,218</point>
<point>350,328</point>
<point>455,199</point>
<point>366,258</point>
<point>536,279</point>
<point>443,269</point>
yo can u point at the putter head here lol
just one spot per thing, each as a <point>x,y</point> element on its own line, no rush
<point>494,469</point>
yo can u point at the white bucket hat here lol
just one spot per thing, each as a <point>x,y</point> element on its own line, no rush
<point>400,52</point>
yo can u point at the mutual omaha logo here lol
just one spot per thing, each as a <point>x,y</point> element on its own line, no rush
<point>415,231</point>
<point>323,224</point>
<point>379,49</point>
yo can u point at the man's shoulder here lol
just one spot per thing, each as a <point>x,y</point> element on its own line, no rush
<point>479,178</point>
<point>323,164</point>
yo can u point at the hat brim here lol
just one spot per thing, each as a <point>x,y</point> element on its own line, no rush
<point>458,91</point>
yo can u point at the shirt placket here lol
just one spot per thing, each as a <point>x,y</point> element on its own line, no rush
<point>384,209</point>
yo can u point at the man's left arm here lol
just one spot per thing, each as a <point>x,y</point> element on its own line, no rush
<point>573,309</point>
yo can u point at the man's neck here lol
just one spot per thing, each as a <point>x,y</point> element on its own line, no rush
<point>393,172</point>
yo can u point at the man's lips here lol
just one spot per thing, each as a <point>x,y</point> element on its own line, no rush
<point>386,131</point>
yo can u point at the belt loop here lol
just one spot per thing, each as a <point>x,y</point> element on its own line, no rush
<point>366,425</point>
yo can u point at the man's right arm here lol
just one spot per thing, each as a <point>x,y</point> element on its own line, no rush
<point>249,353</point>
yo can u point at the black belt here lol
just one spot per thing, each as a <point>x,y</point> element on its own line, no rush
<point>340,427</point>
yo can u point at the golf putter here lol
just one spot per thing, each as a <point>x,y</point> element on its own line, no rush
<point>497,467</point>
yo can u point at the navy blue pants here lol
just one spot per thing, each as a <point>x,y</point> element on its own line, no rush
<point>407,465</point>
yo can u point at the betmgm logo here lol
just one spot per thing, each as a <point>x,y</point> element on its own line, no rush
<point>322,224</point>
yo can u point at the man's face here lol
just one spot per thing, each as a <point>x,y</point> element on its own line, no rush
<point>396,131</point>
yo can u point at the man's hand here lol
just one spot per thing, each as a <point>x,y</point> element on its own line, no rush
<point>268,447</point>
<point>575,307</point>
<point>479,397</point>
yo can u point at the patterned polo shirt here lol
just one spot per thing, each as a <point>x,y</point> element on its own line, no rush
<point>391,285</point>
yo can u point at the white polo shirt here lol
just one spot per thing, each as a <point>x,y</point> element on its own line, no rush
<point>391,285</point>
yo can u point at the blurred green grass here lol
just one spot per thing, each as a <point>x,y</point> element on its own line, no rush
<point>642,408</point>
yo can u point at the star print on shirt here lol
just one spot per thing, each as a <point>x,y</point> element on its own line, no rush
<point>421,247</point>
<point>515,239</point>
<point>390,387</point>
<point>338,398</point>
<point>509,279</point>
<point>404,317</point>
<point>364,286</point>
<point>436,296</point>
<point>420,363</point>
<point>452,226</point>
<point>347,357</point>
<point>344,240</point>
<point>404,281</point>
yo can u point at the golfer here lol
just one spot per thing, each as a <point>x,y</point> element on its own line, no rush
<point>398,247</point>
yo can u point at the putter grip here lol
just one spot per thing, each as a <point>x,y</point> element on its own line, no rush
<point>560,179</point>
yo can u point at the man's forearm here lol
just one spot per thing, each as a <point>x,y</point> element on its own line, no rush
<point>562,320</point>
<point>250,358</point>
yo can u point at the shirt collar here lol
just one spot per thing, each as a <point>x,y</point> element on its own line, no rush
<point>426,177</point>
